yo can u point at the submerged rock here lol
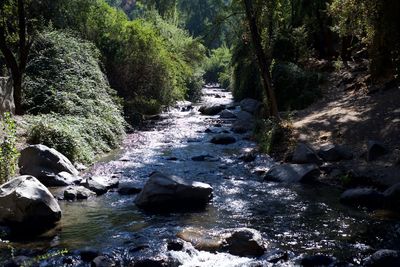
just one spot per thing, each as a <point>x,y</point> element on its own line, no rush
<point>365,197</point>
<point>27,203</point>
<point>163,193</point>
<point>207,158</point>
<point>211,110</point>
<point>383,258</point>
<point>129,188</point>
<point>223,139</point>
<point>305,154</point>
<point>290,173</point>
<point>245,242</point>
<point>48,165</point>
<point>78,193</point>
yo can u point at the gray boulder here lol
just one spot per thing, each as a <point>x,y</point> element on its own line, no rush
<point>364,197</point>
<point>162,192</point>
<point>383,257</point>
<point>250,105</point>
<point>245,116</point>
<point>100,184</point>
<point>227,114</point>
<point>245,242</point>
<point>375,150</point>
<point>305,154</point>
<point>78,193</point>
<point>334,153</point>
<point>223,139</point>
<point>291,173</point>
<point>211,110</point>
<point>129,188</point>
<point>242,126</point>
<point>48,165</point>
<point>26,202</point>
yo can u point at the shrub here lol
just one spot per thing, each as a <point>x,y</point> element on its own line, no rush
<point>77,110</point>
<point>217,66</point>
<point>8,150</point>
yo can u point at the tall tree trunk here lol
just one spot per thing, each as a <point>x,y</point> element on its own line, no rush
<point>262,60</point>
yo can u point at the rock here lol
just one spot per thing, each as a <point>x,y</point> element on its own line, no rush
<point>241,127</point>
<point>365,197</point>
<point>245,116</point>
<point>129,188</point>
<point>100,184</point>
<point>211,110</point>
<point>78,193</point>
<point>383,257</point>
<point>46,164</point>
<point>175,245</point>
<point>290,173</point>
<point>64,179</point>
<point>163,192</point>
<point>375,149</point>
<point>26,202</point>
<point>276,256</point>
<point>207,158</point>
<point>150,263</point>
<point>316,260</point>
<point>248,157</point>
<point>201,239</point>
<point>227,114</point>
<point>223,139</point>
<point>250,105</point>
<point>245,242</point>
<point>18,261</point>
<point>80,167</point>
<point>392,197</point>
<point>102,261</point>
<point>89,254</point>
<point>333,153</point>
<point>304,154</point>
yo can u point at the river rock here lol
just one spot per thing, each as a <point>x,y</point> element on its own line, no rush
<point>78,193</point>
<point>290,173</point>
<point>365,197</point>
<point>88,254</point>
<point>211,110</point>
<point>129,188</point>
<point>317,260</point>
<point>202,239</point>
<point>383,258</point>
<point>26,202</point>
<point>248,157</point>
<point>245,116</point>
<point>164,192</point>
<point>227,114</point>
<point>207,158</point>
<point>100,184</point>
<point>242,127</point>
<point>392,197</point>
<point>250,105</point>
<point>102,261</point>
<point>304,154</point>
<point>223,139</point>
<point>334,153</point>
<point>375,149</point>
<point>245,242</point>
<point>47,165</point>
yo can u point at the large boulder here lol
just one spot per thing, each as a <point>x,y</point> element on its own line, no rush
<point>383,257</point>
<point>48,165</point>
<point>250,105</point>
<point>305,154</point>
<point>242,126</point>
<point>27,203</point>
<point>227,114</point>
<point>291,173</point>
<point>211,110</point>
<point>364,197</point>
<point>334,153</point>
<point>129,188</point>
<point>245,242</point>
<point>245,116</point>
<point>163,192</point>
<point>375,149</point>
<point>223,139</point>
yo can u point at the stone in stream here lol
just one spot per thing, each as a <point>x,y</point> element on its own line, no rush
<point>207,158</point>
<point>245,116</point>
<point>211,110</point>
<point>317,260</point>
<point>333,153</point>
<point>223,139</point>
<point>100,184</point>
<point>164,193</point>
<point>25,203</point>
<point>244,242</point>
<point>102,261</point>
<point>248,157</point>
<point>242,127</point>
<point>227,114</point>
<point>392,197</point>
<point>290,173</point>
<point>365,197</point>
<point>48,165</point>
<point>129,188</point>
<point>375,149</point>
<point>383,258</point>
<point>305,154</point>
<point>78,193</point>
<point>250,105</point>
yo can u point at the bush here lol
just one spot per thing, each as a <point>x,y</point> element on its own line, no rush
<point>77,110</point>
<point>8,150</point>
<point>295,88</point>
<point>217,66</point>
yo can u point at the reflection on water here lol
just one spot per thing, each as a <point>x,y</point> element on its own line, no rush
<point>298,218</point>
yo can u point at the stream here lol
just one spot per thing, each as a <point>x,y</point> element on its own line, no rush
<point>301,219</point>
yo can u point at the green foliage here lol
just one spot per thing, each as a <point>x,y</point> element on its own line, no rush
<point>8,150</point>
<point>295,88</point>
<point>80,116</point>
<point>271,135</point>
<point>217,66</point>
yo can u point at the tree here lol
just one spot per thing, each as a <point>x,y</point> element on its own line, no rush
<point>261,57</point>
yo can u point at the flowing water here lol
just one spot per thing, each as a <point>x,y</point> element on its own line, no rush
<point>302,219</point>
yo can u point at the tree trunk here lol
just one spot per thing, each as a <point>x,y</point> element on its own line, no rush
<point>17,84</point>
<point>262,60</point>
